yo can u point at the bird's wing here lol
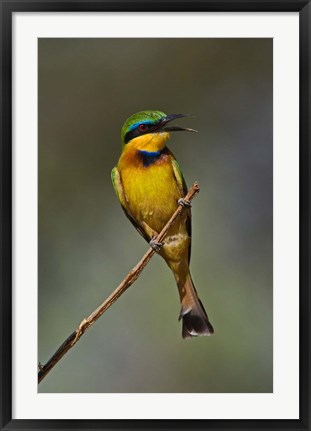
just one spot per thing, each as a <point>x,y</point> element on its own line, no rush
<point>118,187</point>
<point>183,190</point>
<point>179,178</point>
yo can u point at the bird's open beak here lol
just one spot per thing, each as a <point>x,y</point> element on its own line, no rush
<point>171,117</point>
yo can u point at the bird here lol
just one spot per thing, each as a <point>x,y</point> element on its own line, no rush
<point>149,185</point>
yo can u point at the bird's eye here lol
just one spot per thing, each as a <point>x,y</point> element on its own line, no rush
<point>142,127</point>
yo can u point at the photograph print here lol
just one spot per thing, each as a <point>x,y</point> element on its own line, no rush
<point>125,128</point>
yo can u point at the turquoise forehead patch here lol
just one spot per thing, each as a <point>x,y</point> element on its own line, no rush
<point>133,126</point>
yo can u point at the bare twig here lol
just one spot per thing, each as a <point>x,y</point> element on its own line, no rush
<point>126,283</point>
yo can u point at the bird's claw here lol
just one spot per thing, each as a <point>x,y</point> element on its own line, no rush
<point>184,203</point>
<point>155,245</point>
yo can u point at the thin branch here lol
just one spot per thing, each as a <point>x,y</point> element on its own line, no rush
<point>125,284</point>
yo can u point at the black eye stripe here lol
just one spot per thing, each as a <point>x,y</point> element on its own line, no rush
<point>131,135</point>
<point>138,132</point>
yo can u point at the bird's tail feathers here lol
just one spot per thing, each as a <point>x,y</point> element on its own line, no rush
<point>193,314</point>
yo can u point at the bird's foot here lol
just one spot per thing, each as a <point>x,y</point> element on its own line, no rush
<point>184,203</point>
<point>155,245</point>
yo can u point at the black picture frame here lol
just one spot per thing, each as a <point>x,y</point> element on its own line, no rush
<point>8,7</point>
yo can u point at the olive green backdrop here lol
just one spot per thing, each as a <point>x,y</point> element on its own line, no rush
<point>87,88</point>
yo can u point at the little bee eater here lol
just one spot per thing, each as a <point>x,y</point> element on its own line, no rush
<point>150,186</point>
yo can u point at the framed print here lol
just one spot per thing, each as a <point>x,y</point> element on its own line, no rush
<point>93,97</point>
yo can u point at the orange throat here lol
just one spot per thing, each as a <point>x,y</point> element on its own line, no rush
<point>150,142</point>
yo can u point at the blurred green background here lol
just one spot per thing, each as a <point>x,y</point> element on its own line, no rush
<point>87,88</point>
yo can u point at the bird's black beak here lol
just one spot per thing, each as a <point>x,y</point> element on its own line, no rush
<point>171,117</point>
